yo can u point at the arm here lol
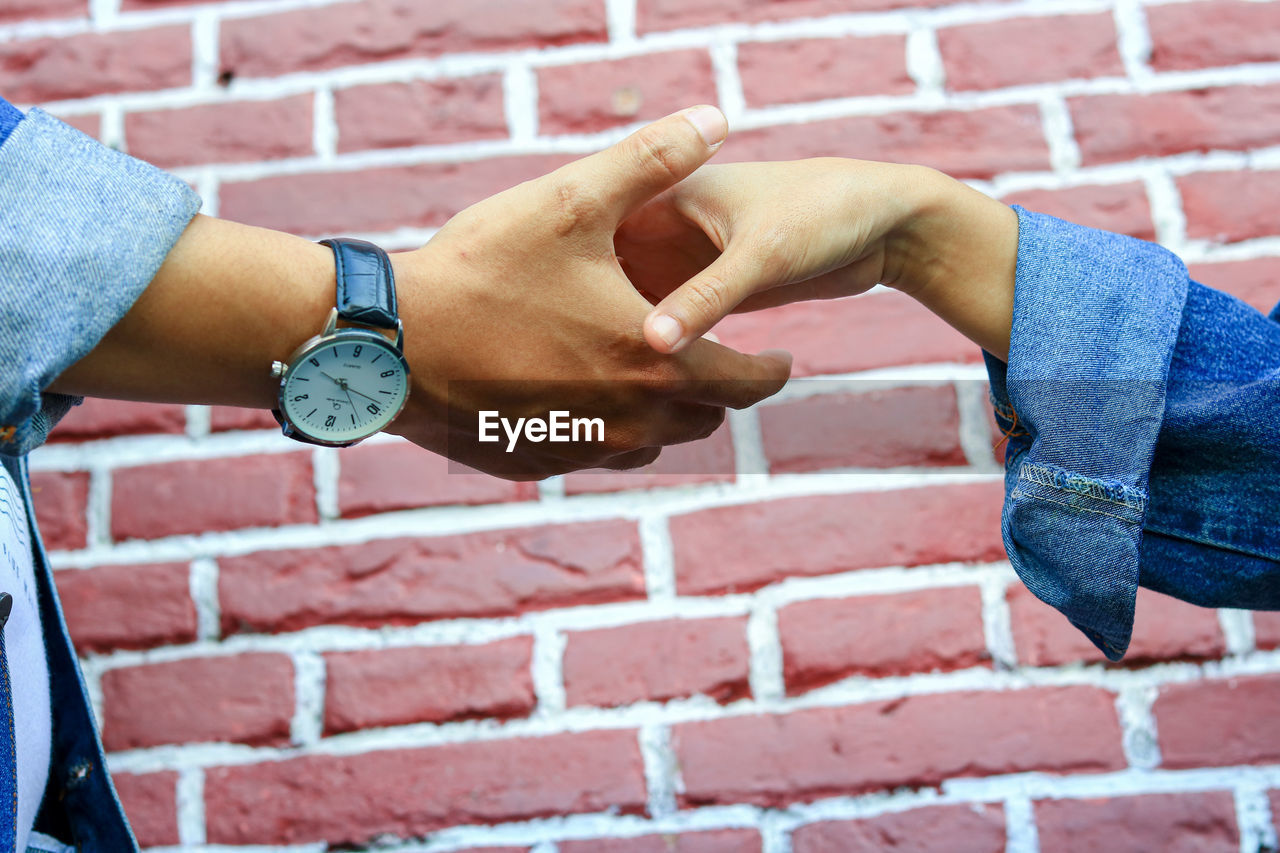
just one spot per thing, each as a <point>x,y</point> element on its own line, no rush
<point>517,305</point>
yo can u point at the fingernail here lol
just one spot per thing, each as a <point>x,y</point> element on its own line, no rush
<point>710,123</point>
<point>667,328</point>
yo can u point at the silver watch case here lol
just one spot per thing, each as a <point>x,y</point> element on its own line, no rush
<point>358,334</point>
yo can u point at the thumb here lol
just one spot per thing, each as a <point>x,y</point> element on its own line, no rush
<point>689,311</point>
<point>654,158</point>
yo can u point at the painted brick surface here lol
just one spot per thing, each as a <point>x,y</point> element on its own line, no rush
<point>242,698</point>
<point>913,741</point>
<point>128,607</point>
<point>737,548</point>
<point>216,494</point>
<point>352,799</point>
<point>403,581</point>
<point>1201,822</point>
<point>390,687</point>
<point>657,661</point>
<point>1029,50</point>
<point>825,640</point>
<point>365,648</point>
<point>963,829</point>
<point>783,72</point>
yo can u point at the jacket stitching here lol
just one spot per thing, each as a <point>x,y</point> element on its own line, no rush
<point>1020,493</point>
<point>1057,478</point>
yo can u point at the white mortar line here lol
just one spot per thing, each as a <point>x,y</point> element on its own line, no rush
<point>199,422</point>
<point>1166,208</point>
<point>659,558</point>
<point>309,677</point>
<point>924,64</point>
<point>190,807</point>
<point>974,405</point>
<point>1254,819</point>
<point>204,51</point>
<point>1138,726</point>
<point>549,643</point>
<point>620,16</point>
<point>203,586</point>
<point>520,103</point>
<point>98,508</point>
<point>729,94</point>
<point>1055,118</point>
<point>325,464</point>
<point>1133,39</point>
<point>766,677</point>
<point>997,627</point>
<point>1021,833</point>
<point>661,772</point>
<point>324,128</point>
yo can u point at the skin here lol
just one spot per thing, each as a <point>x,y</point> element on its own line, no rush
<point>747,236</point>
<point>518,304</point>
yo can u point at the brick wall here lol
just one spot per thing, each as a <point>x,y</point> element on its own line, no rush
<point>800,635</point>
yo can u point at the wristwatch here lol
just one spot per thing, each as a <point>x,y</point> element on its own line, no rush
<point>349,381</point>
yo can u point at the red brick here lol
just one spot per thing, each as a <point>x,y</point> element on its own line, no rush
<point>1217,723</point>
<point>828,639</point>
<point>738,548</point>
<point>848,335</point>
<point>22,10</point>
<point>1266,630</point>
<point>657,661</point>
<point>391,687</point>
<point>1125,127</point>
<point>97,418</point>
<point>977,828</point>
<point>916,741</point>
<point>202,495</point>
<point>245,698</point>
<point>873,429</point>
<point>387,477</point>
<point>1164,629</point>
<point>786,72</point>
<point>51,69</point>
<point>965,144</point>
<point>709,841</point>
<point>134,5</point>
<point>61,502</point>
<point>1121,208</point>
<point>420,112</point>
<point>1200,35</point>
<point>236,131</point>
<point>380,30</point>
<point>405,793</point>
<point>1255,281</point>
<point>593,96</point>
<point>707,460</point>
<point>676,14</point>
<point>225,418</point>
<point>1230,206</point>
<point>384,198</point>
<point>150,801</point>
<point>1023,51</point>
<point>1198,822</point>
<point>90,124</point>
<point>128,607</point>
<point>405,581</point>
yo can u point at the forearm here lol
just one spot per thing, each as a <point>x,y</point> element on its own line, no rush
<point>959,252</point>
<point>228,300</point>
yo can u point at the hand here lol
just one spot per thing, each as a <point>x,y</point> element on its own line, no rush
<point>755,235</point>
<point>519,305</point>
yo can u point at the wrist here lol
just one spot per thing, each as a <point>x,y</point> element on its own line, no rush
<point>955,252</point>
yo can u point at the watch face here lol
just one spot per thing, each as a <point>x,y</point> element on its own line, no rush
<point>345,387</point>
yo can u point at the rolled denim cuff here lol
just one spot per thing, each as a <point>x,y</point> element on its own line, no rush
<point>84,231</point>
<point>1095,321</point>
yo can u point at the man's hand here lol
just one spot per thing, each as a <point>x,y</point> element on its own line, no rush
<point>753,235</point>
<point>519,305</point>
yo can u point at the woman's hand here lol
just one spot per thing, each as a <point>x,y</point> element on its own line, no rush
<point>746,236</point>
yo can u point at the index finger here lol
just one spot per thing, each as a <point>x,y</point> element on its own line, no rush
<point>720,376</point>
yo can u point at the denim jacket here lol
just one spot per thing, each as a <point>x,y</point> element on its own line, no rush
<point>83,230</point>
<point>1143,411</point>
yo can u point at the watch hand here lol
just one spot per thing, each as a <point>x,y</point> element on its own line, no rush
<point>362,394</point>
<point>337,382</point>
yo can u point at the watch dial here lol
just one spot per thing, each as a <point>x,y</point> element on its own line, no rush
<point>344,390</point>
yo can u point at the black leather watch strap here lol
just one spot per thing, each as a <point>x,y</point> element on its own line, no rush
<point>366,285</point>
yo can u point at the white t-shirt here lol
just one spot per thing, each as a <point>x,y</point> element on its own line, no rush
<point>24,649</point>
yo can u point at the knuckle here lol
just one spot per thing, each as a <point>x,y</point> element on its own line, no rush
<point>573,208</point>
<point>705,295</point>
<point>660,158</point>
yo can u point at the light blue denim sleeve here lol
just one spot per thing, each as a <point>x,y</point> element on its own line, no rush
<point>1144,419</point>
<point>1096,317</point>
<point>83,230</point>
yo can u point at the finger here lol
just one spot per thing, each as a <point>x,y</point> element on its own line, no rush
<point>632,459</point>
<point>654,158</point>
<point>720,376</point>
<point>689,311</point>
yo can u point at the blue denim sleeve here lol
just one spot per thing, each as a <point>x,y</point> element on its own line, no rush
<point>9,118</point>
<point>1117,363</point>
<point>83,231</point>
